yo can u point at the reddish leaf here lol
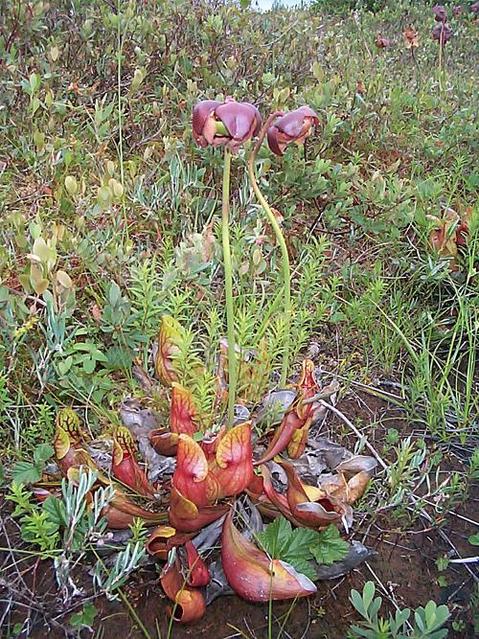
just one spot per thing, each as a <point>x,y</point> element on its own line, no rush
<point>124,466</point>
<point>162,539</point>
<point>198,573</point>
<point>190,603</point>
<point>185,516</point>
<point>253,575</point>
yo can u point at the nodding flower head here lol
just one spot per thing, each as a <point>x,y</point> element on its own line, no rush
<point>440,13</point>
<point>294,126</point>
<point>227,123</point>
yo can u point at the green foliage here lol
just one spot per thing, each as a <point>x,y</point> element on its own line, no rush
<point>108,219</point>
<point>474,539</point>
<point>36,526</point>
<point>301,546</point>
<point>110,580</point>
<point>67,520</point>
<point>84,618</point>
<point>329,546</point>
<point>30,472</point>
<point>428,621</point>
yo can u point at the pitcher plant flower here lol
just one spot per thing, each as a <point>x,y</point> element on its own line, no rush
<point>440,13</point>
<point>411,38</point>
<point>442,33</point>
<point>382,42</point>
<point>229,124</point>
<point>294,126</point>
<point>282,129</point>
<point>255,576</point>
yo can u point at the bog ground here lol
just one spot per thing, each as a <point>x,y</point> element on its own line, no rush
<point>282,423</point>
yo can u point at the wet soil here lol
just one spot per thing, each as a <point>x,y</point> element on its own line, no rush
<point>403,569</point>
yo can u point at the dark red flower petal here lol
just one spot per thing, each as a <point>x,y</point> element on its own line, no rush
<point>201,113</point>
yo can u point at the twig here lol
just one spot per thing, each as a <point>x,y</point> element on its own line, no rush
<point>343,417</point>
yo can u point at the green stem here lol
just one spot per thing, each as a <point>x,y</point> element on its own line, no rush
<point>282,245</point>
<point>440,62</point>
<point>228,268</point>
<point>119,52</point>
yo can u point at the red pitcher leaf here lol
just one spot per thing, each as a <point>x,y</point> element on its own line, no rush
<point>296,491</point>
<point>164,442</point>
<point>255,488</point>
<point>298,417</point>
<point>191,472</point>
<point>234,460</point>
<point>124,465</point>
<point>121,512</point>
<point>282,436</point>
<point>298,440</point>
<point>190,603</point>
<point>41,494</point>
<point>169,347</point>
<point>277,499</point>
<point>162,539</point>
<point>68,441</point>
<point>198,573</point>
<point>183,413</point>
<point>253,575</point>
<point>318,513</point>
<point>185,516</point>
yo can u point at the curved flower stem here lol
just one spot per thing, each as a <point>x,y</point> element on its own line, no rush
<point>228,269</point>
<point>441,44</point>
<point>282,244</point>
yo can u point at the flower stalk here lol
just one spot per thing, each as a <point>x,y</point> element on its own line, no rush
<point>285,266</point>
<point>228,271</point>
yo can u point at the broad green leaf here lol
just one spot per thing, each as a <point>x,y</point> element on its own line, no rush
<point>55,509</point>
<point>71,185</point>
<point>85,617</point>
<point>89,365</point>
<point>329,547</point>
<point>280,541</point>
<point>275,537</point>
<point>42,453</point>
<point>26,473</point>
<point>474,539</point>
